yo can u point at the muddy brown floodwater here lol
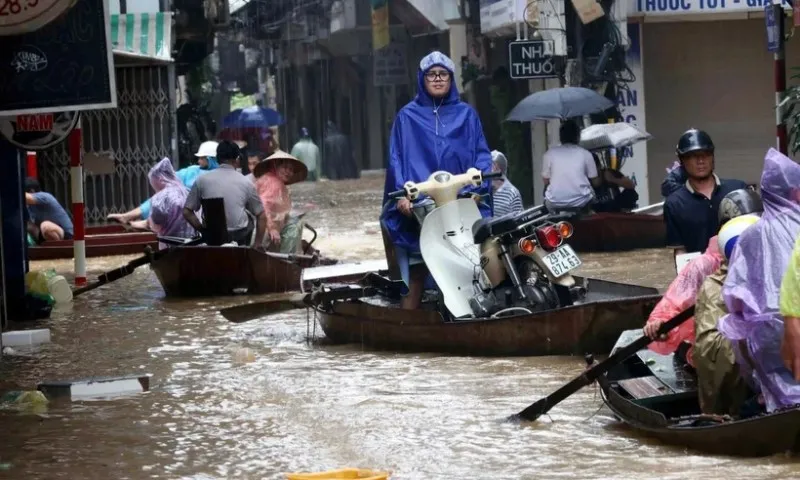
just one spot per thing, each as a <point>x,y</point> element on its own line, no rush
<point>297,407</point>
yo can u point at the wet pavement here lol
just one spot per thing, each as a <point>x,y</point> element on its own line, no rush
<point>218,411</point>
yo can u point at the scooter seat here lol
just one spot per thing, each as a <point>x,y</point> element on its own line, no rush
<point>489,227</point>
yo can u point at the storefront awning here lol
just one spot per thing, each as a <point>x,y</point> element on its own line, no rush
<point>146,36</point>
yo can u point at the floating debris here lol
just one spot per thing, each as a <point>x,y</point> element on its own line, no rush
<point>96,387</point>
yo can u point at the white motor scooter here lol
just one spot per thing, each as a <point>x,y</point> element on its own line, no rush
<point>465,270</point>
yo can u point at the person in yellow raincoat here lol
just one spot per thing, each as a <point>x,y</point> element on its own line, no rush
<point>790,309</point>
<point>720,387</point>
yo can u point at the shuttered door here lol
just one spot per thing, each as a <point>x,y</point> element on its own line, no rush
<point>717,76</point>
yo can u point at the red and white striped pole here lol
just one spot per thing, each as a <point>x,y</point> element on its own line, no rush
<point>30,166</point>
<point>76,180</point>
<point>780,77</point>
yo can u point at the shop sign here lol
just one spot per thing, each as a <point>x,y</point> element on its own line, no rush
<point>686,7</point>
<point>38,131</point>
<point>532,59</point>
<point>64,66</point>
<point>24,16</point>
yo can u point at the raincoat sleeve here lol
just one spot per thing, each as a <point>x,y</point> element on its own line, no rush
<point>682,294</point>
<point>159,217</point>
<point>395,174</point>
<point>145,208</point>
<point>790,285</point>
<point>399,227</point>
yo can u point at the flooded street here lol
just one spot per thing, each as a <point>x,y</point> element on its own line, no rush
<point>212,414</point>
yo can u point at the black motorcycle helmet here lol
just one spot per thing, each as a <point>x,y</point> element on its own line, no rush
<point>739,202</point>
<point>694,140</point>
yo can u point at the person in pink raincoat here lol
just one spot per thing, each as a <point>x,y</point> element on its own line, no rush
<point>680,295</point>
<point>166,211</point>
<point>682,292</point>
<point>273,176</point>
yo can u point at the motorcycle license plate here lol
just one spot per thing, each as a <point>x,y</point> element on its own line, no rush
<point>562,261</point>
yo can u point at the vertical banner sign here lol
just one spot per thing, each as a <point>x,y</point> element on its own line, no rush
<point>796,14</point>
<point>771,18</point>
<point>631,106</point>
<point>380,24</point>
<point>65,65</point>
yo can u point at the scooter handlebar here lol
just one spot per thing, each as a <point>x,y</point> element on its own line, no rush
<point>442,179</point>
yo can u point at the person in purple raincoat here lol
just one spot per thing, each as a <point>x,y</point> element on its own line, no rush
<point>166,206</point>
<point>752,288</point>
<point>435,131</point>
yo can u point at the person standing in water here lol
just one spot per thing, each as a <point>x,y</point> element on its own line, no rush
<point>435,131</point>
<point>307,152</point>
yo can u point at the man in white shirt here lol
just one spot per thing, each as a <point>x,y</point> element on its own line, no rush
<point>569,173</point>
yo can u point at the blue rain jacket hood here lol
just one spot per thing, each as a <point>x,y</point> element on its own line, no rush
<point>429,135</point>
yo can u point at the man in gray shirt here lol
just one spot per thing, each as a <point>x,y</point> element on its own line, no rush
<point>236,190</point>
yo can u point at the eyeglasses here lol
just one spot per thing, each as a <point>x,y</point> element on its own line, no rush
<point>443,75</point>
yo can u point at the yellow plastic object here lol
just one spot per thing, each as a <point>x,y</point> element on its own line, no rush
<point>344,473</point>
<point>36,282</point>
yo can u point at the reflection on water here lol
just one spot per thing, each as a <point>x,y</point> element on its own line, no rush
<point>215,412</point>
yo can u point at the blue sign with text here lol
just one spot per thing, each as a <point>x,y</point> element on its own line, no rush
<point>684,7</point>
<point>773,29</point>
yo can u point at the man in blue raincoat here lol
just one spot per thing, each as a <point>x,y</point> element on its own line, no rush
<point>435,131</point>
<point>206,161</point>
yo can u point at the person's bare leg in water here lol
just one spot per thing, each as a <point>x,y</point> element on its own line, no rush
<point>416,287</point>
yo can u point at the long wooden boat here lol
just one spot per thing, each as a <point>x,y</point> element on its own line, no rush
<point>589,327</point>
<point>615,232</point>
<point>101,241</point>
<point>656,397</point>
<point>210,271</point>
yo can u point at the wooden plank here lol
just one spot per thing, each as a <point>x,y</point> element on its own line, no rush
<point>342,272</point>
<point>665,369</point>
<point>645,387</point>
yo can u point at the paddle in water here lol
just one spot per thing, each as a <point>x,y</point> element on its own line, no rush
<point>118,273</point>
<point>252,311</point>
<point>544,405</point>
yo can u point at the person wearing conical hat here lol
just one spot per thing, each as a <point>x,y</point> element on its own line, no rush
<point>273,176</point>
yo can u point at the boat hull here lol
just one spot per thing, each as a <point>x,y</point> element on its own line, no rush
<point>754,437</point>
<point>588,328</point>
<point>102,242</point>
<point>218,271</point>
<point>616,232</point>
<point>656,396</point>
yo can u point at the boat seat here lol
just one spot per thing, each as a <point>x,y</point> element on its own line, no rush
<point>216,232</point>
<point>645,387</point>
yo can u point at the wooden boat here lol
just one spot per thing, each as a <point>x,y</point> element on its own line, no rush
<point>378,322</point>
<point>101,241</point>
<point>657,397</point>
<point>615,232</point>
<point>210,271</point>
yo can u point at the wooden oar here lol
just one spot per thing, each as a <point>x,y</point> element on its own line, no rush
<point>120,272</point>
<point>251,311</point>
<point>591,374</point>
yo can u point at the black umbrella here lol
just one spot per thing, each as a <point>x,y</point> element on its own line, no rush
<point>559,103</point>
